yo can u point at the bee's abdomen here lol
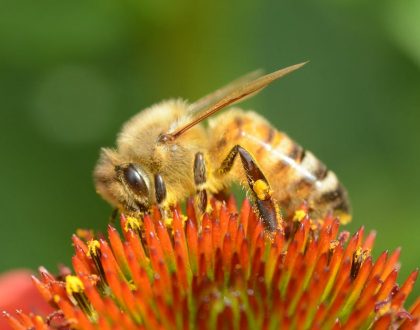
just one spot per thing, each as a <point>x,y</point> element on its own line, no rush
<point>319,186</point>
<point>295,174</point>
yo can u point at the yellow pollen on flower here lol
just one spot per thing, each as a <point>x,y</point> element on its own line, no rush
<point>56,298</point>
<point>384,309</point>
<point>168,222</point>
<point>132,223</point>
<point>313,224</point>
<point>365,254</point>
<point>334,244</point>
<point>358,253</point>
<point>93,247</point>
<point>39,318</point>
<point>132,285</point>
<point>184,218</point>
<point>262,189</point>
<point>299,215</point>
<point>74,285</point>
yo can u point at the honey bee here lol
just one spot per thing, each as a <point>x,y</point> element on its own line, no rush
<point>165,154</point>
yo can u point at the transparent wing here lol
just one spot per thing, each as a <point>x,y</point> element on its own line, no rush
<point>228,95</point>
<point>217,95</point>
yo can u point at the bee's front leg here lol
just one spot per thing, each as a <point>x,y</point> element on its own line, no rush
<point>200,179</point>
<point>261,191</point>
<point>160,195</point>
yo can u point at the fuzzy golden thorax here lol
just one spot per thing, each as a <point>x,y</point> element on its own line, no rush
<point>138,146</point>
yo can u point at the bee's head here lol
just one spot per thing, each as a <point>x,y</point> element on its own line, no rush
<point>122,183</point>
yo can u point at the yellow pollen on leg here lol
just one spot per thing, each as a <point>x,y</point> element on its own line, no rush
<point>344,217</point>
<point>261,189</point>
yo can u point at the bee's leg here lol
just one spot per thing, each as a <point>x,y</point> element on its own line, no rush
<point>113,216</point>
<point>200,179</point>
<point>160,194</point>
<point>260,188</point>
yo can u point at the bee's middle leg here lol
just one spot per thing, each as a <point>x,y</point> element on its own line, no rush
<point>200,179</point>
<point>260,188</point>
<point>113,216</point>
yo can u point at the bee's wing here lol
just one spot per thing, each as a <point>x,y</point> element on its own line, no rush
<point>217,95</point>
<point>236,92</point>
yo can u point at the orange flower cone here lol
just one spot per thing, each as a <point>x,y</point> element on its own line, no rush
<point>225,272</point>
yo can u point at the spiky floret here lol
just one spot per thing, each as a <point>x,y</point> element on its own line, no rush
<point>225,272</point>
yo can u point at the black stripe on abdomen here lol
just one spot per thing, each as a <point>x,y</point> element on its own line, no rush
<point>336,199</point>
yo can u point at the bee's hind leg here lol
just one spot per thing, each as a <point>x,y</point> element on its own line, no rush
<point>200,179</point>
<point>260,188</point>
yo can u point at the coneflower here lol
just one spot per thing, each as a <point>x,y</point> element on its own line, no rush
<point>225,272</point>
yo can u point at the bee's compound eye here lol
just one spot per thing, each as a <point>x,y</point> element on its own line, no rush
<point>135,180</point>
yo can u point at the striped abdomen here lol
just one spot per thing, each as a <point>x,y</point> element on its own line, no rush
<point>294,174</point>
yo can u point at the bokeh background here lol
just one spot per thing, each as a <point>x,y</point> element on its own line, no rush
<point>71,72</point>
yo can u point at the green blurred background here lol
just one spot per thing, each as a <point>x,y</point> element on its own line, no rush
<point>71,72</point>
